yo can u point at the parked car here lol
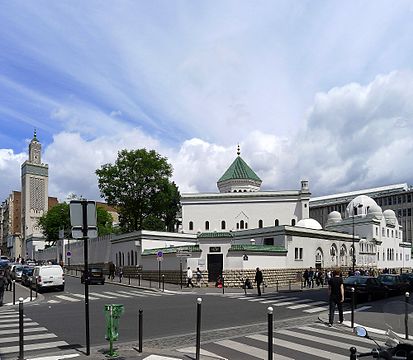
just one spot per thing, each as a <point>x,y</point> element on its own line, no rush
<point>27,275</point>
<point>408,277</point>
<point>48,277</point>
<point>394,283</point>
<point>16,271</point>
<point>365,288</point>
<point>96,276</point>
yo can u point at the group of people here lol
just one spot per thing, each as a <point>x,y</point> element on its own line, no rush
<point>190,275</point>
<point>317,277</point>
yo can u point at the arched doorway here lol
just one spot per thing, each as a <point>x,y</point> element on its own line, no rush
<point>334,254</point>
<point>343,255</point>
<point>319,259</point>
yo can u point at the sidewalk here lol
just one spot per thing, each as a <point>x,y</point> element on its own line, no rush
<point>21,291</point>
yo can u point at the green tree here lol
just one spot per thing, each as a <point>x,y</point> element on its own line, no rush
<point>139,186</point>
<point>58,217</point>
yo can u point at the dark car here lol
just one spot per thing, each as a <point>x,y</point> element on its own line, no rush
<point>96,276</point>
<point>408,277</point>
<point>27,275</point>
<point>365,288</point>
<point>394,283</point>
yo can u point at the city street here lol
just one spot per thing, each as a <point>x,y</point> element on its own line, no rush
<point>230,322</point>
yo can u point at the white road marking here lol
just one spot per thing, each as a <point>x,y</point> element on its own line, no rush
<point>4,326</point>
<point>27,337</point>
<point>117,294</point>
<point>192,350</point>
<point>26,330</point>
<point>58,357</point>
<point>301,306</point>
<point>316,309</point>
<point>28,347</point>
<point>102,295</point>
<point>67,298</point>
<point>81,296</point>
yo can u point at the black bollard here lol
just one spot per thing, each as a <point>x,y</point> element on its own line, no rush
<point>353,353</point>
<point>198,329</point>
<point>277,285</point>
<point>139,279</point>
<point>129,280</point>
<point>140,330</point>
<point>245,286</point>
<point>223,285</point>
<point>406,315</point>
<point>21,330</point>
<point>289,285</point>
<point>270,332</point>
<point>14,292</point>
<point>163,283</point>
<point>35,284</point>
<point>353,296</point>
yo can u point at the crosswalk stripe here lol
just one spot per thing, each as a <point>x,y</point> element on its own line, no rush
<point>286,303</point>
<point>57,357</point>
<point>16,331</point>
<point>333,333</point>
<point>132,293</point>
<point>192,350</point>
<point>4,326</point>
<point>301,348</point>
<point>301,306</point>
<point>5,321</point>
<point>27,337</point>
<point>151,293</point>
<point>102,295</point>
<point>117,294</point>
<point>10,316</point>
<point>278,298</point>
<point>81,296</point>
<point>250,350</point>
<point>67,298</point>
<point>9,312</point>
<point>316,309</point>
<point>317,339</point>
<point>28,347</point>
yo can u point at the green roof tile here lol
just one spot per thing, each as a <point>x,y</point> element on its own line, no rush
<point>239,169</point>
<point>172,249</point>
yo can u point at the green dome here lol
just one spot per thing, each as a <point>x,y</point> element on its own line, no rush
<point>239,169</point>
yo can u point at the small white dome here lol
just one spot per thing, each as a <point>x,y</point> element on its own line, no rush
<point>375,212</point>
<point>309,224</point>
<point>390,217</point>
<point>360,206</point>
<point>334,217</point>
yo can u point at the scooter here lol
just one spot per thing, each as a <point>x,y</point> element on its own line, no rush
<point>396,347</point>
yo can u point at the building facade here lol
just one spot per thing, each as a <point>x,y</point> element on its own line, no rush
<point>398,197</point>
<point>240,204</point>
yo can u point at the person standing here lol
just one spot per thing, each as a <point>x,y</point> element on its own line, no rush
<point>311,278</point>
<point>189,277</point>
<point>198,275</point>
<point>336,297</point>
<point>7,276</point>
<point>2,286</point>
<point>258,279</point>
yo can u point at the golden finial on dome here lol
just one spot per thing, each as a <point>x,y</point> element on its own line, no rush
<point>238,150</point>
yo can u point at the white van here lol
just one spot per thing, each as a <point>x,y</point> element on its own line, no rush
<point>49,276</point>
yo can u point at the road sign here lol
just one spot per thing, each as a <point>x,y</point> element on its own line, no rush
<point>78,219</point>
<point>69,254</point>
<point>245,257</point>
<point>159,254</point>
<point>183,253</point>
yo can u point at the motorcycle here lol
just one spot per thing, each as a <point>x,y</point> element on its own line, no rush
<point>398,315</point>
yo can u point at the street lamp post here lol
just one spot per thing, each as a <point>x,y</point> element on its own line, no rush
<point>354,248</point>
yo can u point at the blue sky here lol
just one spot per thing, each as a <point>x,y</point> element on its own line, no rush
<point>312,89</point>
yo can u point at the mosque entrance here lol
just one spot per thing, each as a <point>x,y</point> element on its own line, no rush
<point>215,265</point>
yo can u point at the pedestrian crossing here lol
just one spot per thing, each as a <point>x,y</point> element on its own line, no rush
<point>105,295</point>
<point>309,306</point>
<point>309,342</point>
<point>36,338</point>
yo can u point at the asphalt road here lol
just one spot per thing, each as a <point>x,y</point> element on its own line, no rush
<point>164,315</point>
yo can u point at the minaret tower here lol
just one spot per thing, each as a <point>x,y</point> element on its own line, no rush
<point>35,177</point>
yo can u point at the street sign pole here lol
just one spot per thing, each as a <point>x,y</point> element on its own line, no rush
<point>159,273</point>
<point>86,274</point>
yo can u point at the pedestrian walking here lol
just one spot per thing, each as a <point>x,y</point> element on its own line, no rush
<point>189,277</point>
<point>336,297</point>
<point>305,276</point>
<point>311,277</point>
<point>258,279</point>
<point>198,275</point>
<point>2,286</point>
<point>7,275</point>
<point>112,269</point>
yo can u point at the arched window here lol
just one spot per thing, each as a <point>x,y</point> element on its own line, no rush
<point>117,264</point>
<point>128,259</point>
<point>237,225</point>
<point>276,222</point>
<point>222,225</point>
<point>260,224</point>
<point>136,258</point>
<point>132,258</point>
<point>206,225</point>
<point>241,224</point>
<point>120,259</point>
<point>123,259</point>
<point>246,225</point>
<point>292,222</point>
<point>191,225</point>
